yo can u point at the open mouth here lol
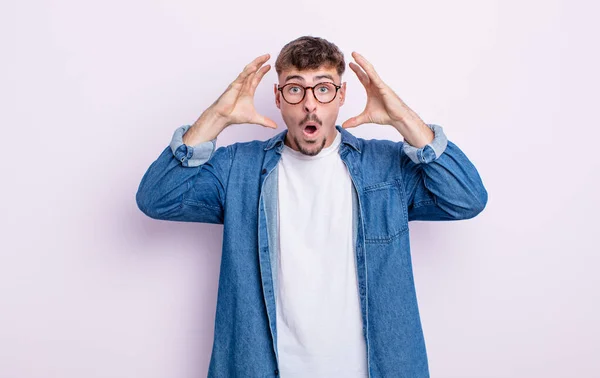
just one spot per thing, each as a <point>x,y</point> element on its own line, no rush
<point>310,130</point>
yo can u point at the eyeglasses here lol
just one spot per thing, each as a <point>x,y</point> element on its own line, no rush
<point>294,93</point>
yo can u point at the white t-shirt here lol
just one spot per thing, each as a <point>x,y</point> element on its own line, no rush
<point>319,324</point>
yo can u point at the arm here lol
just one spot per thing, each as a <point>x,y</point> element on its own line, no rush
<point>440,181</point>
<point>188,181</point>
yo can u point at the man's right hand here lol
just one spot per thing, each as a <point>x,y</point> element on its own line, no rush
<point>234,106</point>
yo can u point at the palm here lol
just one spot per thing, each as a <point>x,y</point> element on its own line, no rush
<point>375,110</point>
<point>237,107</point>
<point>236,104</point>
<point>383,105</point>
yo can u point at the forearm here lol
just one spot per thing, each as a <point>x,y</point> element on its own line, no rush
<point>206,128</point>
<point>172,174</point>
<point>413,129</point>
<point>440,181</point>
<point>163,185</point>
<point>447,188</point>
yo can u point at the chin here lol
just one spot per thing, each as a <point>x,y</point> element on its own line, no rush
<point>311,148</point>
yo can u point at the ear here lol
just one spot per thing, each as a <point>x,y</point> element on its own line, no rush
<point>343,93</point>
<point>277,98</point>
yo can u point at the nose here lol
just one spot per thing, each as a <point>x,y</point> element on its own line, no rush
<point>310,102</point>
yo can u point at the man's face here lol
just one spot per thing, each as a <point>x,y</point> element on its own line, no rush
<point>310,123</point>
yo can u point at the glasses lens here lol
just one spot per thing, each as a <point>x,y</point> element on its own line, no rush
<point>325,92</point>
<point>293,93</point>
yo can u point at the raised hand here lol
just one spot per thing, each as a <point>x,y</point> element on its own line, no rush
<point>234,106</point>
<point>383,107</point>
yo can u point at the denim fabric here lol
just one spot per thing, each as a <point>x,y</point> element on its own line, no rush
<point>432,150</point>
<point>236,185</point>
<point>190,156</point>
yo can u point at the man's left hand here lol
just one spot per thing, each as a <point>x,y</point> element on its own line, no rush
<point>384,106</point>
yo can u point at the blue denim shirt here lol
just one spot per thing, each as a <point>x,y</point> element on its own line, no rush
<point>236,185</point>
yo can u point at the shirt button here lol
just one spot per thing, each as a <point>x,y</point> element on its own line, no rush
<point>276,372</point>
<point>264,171</point>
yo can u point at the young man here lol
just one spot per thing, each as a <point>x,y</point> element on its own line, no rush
<point>316,276</point>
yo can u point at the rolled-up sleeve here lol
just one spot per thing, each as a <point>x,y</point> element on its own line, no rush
<point>191,156</point>
<point>430,151</point>
<point>440,181</point>
<point>186,183</point>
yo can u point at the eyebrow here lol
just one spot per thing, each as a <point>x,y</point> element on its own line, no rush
<point>315,78</point>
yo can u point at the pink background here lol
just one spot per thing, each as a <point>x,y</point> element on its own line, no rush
<point>91,93</point>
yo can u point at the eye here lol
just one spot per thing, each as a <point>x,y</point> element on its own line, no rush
<point>323,88</point>
<point>293,89</point>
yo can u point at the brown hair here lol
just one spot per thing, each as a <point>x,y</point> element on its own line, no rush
<point>309,53</point>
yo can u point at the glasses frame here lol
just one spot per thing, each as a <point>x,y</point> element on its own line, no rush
<point>337,88</point>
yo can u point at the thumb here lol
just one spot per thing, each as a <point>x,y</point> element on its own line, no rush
<point>355,121</point>
<point>264,121</point>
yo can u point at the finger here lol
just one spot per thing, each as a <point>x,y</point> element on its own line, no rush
<point>249,86</point>
<point>256,79</point>
<point>251,82</point>
<point>368,67</point>
<point>251,68</point>
<point>362,76</point>
<point>355,121</point>
<point>241,82</point>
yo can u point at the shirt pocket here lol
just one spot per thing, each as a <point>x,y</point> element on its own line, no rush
<point>384,212</point>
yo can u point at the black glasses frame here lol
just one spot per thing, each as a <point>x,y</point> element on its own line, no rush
<point>337,88</point>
